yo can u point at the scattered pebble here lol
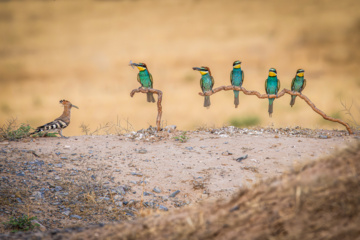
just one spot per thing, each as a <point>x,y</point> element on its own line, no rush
<point>174,193</point>
<point>157,190</point>
<point>226,153</point>
<point>241,158</point>
<point>161,207</point>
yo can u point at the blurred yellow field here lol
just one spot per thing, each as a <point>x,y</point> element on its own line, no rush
<point>80,50</point>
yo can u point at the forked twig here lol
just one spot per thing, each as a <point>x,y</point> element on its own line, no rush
<point>159,93</point>
<point>280,94</point>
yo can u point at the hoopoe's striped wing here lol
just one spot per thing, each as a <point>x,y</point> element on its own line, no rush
<point>54,125</point>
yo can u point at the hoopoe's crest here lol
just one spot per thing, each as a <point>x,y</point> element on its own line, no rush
<point>59,123</point>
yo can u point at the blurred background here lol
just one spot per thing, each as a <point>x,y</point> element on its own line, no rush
<point>80,51</point>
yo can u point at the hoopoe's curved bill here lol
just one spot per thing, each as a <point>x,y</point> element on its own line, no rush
<point>72,105</point>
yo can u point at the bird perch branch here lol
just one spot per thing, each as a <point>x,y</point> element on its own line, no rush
<point>159,93</point>
<point>280,94</point>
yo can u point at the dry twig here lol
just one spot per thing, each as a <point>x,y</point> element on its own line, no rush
<point>280,94</point>
<point>159,93</point>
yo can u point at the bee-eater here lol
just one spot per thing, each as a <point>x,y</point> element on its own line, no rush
<point>59,123</point>
<point>144,77</point>
<point>298,84</point>
<point>206,83</point>
<point>237,79</point>
<point>272,85</point>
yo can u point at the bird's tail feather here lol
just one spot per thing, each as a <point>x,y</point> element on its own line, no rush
<point>207,101</point>
<point>236,98</point>
<point>271,104</point>
<point>292,102</point>
<point>150,97</point>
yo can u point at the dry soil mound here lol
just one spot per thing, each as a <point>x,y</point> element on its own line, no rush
<point>320,200</point>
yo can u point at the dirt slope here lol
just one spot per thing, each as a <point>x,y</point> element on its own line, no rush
<point>319,200</point>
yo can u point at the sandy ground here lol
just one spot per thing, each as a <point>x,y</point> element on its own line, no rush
<point>204,167</point>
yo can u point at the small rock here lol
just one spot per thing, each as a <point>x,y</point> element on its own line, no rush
<point>141,151</point>
<point>76,216</point>
<point>118,197</point>
<point>189,148</point>
<point>161,207</point>
<point>276,136</point>
<point>148,194</point>
<point>20,174</point>
<point>104,198</point>
<point>66,213</point>
<point>66,147</point>
<point>136,174</point>
<point>174,193</point>
<point>241,158</point>
<point>226,153</point>
<point>157,190</point>
<point>41,227</point>
<point>170,128</point>
<point>130,214</point>
<point>59,165</point>
<point>323,137</point>
<point>58,188</point>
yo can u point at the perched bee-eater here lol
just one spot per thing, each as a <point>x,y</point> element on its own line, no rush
<point>144,77</point>
<point>272,86</point>
<point>206,83</point>
<point>237,79</point>
<point>298,84</point>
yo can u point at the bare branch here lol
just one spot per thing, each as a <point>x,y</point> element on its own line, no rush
<point>159,93</point>
<point>280,94</point>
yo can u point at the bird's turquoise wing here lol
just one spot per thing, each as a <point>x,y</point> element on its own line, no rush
<point>292,84</point>
<point>303,86</point>
<point>242,77</point>
<point>151,80</point>
<point>138,78</point>
<point>278,85</point>
<point>212,82</point>
<point>266,86</point>
<point>201,85</point>
<point>231,77</point>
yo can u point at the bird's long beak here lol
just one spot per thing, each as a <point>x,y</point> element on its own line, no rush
<point>196,68</point>
<point>133,64</point>
<point>72,105</point>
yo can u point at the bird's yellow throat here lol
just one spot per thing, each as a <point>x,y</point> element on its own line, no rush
<point>203,72</point>
<point>141,68</point>
<point>272,74</point>
<point>300,74</point>
<point>237,66</point>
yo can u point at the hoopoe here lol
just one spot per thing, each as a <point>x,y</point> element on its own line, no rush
<point>59,123</point>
